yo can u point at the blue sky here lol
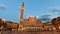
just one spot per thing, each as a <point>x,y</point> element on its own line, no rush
<point>10,9</point>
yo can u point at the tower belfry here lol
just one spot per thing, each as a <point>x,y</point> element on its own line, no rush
<point>22,12</point>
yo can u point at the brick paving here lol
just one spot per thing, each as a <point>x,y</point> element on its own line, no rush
<point>41,32</point>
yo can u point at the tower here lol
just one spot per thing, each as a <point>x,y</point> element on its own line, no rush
<point>21,18</point>
<point>22,12</point>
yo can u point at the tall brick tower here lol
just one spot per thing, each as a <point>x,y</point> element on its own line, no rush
<point>21,18</point>
<point>22,12</point>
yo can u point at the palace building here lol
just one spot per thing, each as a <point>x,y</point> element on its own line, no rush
<point>31,22</point>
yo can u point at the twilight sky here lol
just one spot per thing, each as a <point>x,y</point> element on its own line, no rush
<point>10,9</point>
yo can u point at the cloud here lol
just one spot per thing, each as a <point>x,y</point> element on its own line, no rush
<point>37,17</point>
<point>55,9</point>
<point>46,18</point>
<point>2,6</point>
